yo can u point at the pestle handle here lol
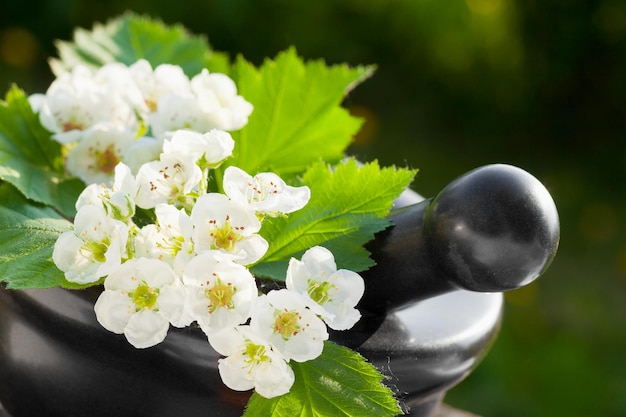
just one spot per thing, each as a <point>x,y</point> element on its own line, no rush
<point>495,228</point>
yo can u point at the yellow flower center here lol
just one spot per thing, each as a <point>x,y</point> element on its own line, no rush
<point>226,237</point>
<point>220,295</point>
<point>72,125</point>
<point>98,250</point>
<point>106,160</point>
<point>286,324</point>
<point>255,353</point>
<point>144,297</point>
<point>320,291</point>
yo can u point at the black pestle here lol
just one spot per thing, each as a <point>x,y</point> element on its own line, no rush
<point>494,229</point>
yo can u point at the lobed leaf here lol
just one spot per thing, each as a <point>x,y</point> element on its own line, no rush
<point>30,159</point>
<point>348,206</point>
<point>28,232</point>
<point>339,383</point>
<point>131,37</point>
<point>297,117</point>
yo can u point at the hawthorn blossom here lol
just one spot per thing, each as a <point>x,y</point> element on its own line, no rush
<point>208,149</point>
<point>95,157</point>
<point>140,300</point>
<point>282,317</point>
<point>225,225</point>
<point>218,99</point>
<point>118,200</point>
<point>330,293</point>
<point>221,292</point>
<point>75,102</point>
<point>251,363</point>
<point>169,180</point>
<point>155,83</point>
<point>169,240</point>
<point>94,248</point>
<point>177,111</point>
<point>266,192</point>
<point>118,78</point>
<point>141,151</point>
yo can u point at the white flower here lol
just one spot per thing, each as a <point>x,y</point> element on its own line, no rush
<point>208,149</point>
<point>76,101</point>
<point>93,249</point>
<point>169,240</point>
<point>228,226</point>
<point>169,180</point>
<point>141,151</point>
<point>221,292</point>
<point>329,292</point>
<point>266,192</point>
<point>118,200</point>
<point>153,84</point>
<point>251,363</point>
<point>95,157</point>
<point>118,78</point>
<point>178,111</point>
<point>218,99</point>
<point>282,318</point>
<point>140,299</point>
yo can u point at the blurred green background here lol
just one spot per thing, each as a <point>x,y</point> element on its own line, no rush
<point>460,83</point>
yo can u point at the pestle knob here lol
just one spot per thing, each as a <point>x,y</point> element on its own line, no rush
<point>493,229</point>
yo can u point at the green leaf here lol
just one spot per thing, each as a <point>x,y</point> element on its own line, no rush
<point>30,159</point>
<point>339,383</point>
<point>28,232</point>
<point>297,117</point>
<point>131,37</point>
<point>348,206</point>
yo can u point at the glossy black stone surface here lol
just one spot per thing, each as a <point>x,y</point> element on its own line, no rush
<point>58,361</point>
<point>493,229</point>
<point>420,327</point>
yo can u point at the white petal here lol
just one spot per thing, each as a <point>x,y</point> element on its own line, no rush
<point>306,342</point>
<point>166,180</point>
<point>124,181</point>
<point>146,328</point>
<point>171,301</point>
<point>113,310</point>
<point>142,151</point>
<point>319,259</point>
<point>92,195</point>
<point>146,243</point>
<point>215,213</point>
<point>66,254</point>
<point>177,111</point>
<point>345,287</point>
<point>95,157</point>
<point>266,192</point>
<point>130,274</point>
<point>273,378</point>
<point>226,341</point>
<point>268,373</point>
<point>214,146</point>
<point>202,274</point>
<point>251,249</point>
<point>343,319</point>
<point>351,286</point>
<point>232,370</point>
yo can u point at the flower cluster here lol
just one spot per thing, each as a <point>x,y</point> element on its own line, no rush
<point>188,260</point>
<point>121,113</point>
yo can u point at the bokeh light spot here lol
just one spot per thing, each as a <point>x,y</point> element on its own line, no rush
<point>610,19</point>
<point>484,7</point>
<point>18,47</point>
